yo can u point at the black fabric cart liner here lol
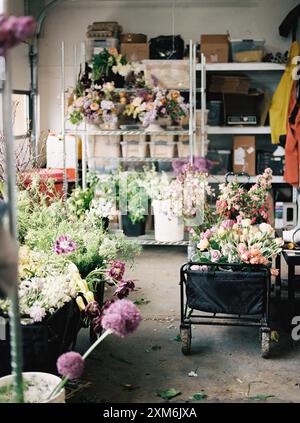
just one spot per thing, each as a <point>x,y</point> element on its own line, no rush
<point>227,292</point>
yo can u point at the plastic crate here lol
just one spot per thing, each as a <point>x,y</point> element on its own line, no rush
<point>169,74</point>
<point>134,147</point>
<point>102,146</point>
<point>221,161</point>
<point>162,146</point>
<point>247,50</point>
<point>267,160</point>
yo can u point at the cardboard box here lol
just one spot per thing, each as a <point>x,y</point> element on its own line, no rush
<point>244,154</point>
<point>131,38</point>
<point>135,52</point>
<point>215,48</point>
<point>227,84</point>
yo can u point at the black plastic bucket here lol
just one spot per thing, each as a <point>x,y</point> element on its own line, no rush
<point>133,229</point>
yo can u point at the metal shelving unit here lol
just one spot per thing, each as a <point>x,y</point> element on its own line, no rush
<point>86,131</point>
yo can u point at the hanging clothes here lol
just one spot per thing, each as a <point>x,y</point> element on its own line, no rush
<point>292,146</point>
<point>281,98</point>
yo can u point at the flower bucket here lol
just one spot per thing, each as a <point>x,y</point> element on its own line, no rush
<point>166,229</point>
<point>44,341</point>
<point>133,229</point>
<point>42,386</point>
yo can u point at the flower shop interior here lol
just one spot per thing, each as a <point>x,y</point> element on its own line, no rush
<point>150,189</point>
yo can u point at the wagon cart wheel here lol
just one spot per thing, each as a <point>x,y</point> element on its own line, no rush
<point>186,339</point>
<point>265,342</point>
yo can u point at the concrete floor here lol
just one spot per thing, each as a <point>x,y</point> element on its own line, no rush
<point>226,360</point>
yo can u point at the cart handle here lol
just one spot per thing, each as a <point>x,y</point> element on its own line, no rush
<point>238,175</point>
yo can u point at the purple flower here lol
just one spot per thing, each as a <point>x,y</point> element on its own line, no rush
<point>70,365</point>
<point>124,289</point>
<point>122,318</point>
<point>97,325</point>
<point>149,117</point>
<point>227,224</point>
<point>117,270</point>
<point>64,245</point>
<point>14,30</point>
<point>93,310</point>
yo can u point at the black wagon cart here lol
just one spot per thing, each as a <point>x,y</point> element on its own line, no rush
<point>225,294</point>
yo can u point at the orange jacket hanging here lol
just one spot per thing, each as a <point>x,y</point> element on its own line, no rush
<point>292,147</point>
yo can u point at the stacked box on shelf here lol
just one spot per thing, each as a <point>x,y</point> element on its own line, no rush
<point>162,146</point>
<point>134,146</point>
<point>103,35</point>
<point>102,147</point>
<point>135,47</point>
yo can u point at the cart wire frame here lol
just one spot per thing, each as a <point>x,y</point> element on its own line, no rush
<point>189,317</point>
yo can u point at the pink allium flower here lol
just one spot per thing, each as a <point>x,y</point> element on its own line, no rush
<point>70,365</point>
<point>14,30</point>
<point>124,289</point>
<point>122,318</point>
<point>116,271</point>
<point>64,245</point>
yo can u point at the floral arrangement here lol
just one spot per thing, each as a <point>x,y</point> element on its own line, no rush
<point>109,60</point>
<point>238,242</point>
<point>45,284</point>
<point>14,30</point>
<point>236,200</point>
<point>98,105</point>
<point>180,197</point>
<point>200,165</point>
<point>149,106</point>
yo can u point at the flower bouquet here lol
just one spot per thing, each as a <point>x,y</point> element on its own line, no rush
<point>236,200</point>
<point>176,202</point>
<point>156,105</point>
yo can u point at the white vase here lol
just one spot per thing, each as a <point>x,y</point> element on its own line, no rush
<point>44,383</point>
<point>166,229</point>
<point>154,127</point>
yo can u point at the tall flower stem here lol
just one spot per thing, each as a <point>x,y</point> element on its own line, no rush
<point>96,343</point>
<point>64,380</point>
<point>14,314</point>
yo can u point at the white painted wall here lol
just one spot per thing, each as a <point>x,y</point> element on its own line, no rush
<point>69,21</point>
<point>20,64</point>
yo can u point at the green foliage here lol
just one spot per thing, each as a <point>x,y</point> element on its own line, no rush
<point>75,117</point>
<point>41,220</point>
<point>133,196</point>
<point>168,394</point>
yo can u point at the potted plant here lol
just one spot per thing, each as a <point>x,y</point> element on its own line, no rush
<point>176,202</point>
<point>133,203</point>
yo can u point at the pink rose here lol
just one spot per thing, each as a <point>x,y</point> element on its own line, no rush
<point>215,255</point>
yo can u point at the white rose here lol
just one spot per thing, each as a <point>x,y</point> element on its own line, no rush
<point>246,223</point>
<point>279,242</point>
<point>266,228</point>
<point>203,244</point>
